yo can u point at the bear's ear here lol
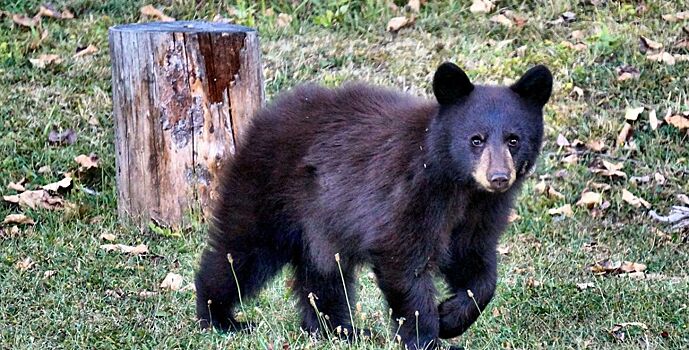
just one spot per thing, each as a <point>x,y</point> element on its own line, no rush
<point>450,83</point>
<point>535,85</point>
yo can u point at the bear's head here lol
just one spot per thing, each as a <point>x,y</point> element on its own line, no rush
<point>491,134</point>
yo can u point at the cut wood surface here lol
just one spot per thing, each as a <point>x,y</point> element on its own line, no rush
<point>183,93</point>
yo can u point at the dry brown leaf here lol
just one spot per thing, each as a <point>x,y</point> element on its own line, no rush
<point>651,44</point>
<point>513,216</point>
<point>397,23</point>
<point>56,186</point>
<point>624,134</point>
<point>676,16</point>
<point>633,113</point>
<point>565,210</point>
<point>502,19</point>
<point>45,60</point>
<point>89,50</point>
<point>283,20</point>
<point>25,264</point>
<point>590,199</point>
<point>660,179</point>
<point>609,169</point>
<point>48,10</point>
<point>18,219</point>
<point>679,121</point>
<point>13,231</point>
<point>578,35</point>
<point>664,57</point>
<point>599,186</point>
<point>150,11</point>
<point>548,190</point>
<point>26,21</point>
<point>17,186</point>
<point>36,199</point>
<point>127,249</point>
<point>172,281</point>
<point>575,47</point>
<point>571,159</point>
<point>503,249</point>
<point>628,266</point>
<point>87,162</point>
<point>414,6</point>
<point>596,145</point>
<point>481,6</point>
<point>633,200</point>
<point>562,141</point>
<point>108,236</point>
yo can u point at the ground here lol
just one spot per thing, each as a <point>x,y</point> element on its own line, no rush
<point>78,295</point>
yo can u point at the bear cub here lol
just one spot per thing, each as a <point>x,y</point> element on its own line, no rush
<point>412,187</point>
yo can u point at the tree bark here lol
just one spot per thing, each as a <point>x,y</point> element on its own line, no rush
<point>183,93</point>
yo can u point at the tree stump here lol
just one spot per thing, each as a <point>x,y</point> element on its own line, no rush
<point>183,93</point>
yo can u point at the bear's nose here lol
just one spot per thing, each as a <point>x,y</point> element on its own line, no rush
<point>499,181</point>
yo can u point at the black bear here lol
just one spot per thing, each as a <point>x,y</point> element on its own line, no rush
<point>412,187</point>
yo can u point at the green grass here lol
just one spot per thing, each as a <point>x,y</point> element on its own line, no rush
<point>93,301</point>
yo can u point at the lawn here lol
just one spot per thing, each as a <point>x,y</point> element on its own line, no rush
<point>614,62</point>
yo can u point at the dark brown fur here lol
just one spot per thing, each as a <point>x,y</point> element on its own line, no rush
<point>374,176</point>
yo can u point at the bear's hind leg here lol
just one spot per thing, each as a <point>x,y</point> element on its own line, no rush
<point>322,299</point>
<point>216,286</point>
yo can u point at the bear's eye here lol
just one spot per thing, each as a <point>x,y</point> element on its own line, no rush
<point>476,141</point>
<point>513,141</point>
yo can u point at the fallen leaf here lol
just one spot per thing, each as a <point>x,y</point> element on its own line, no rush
<point>639,179</point>
<point>17,186</point>
<point>18,219</point>
<point>617,330</point>
<point>628,266</point>
<point>45,60</point>
<point>664,57</point>
<point>650,44</point>
<point>585,285</point>
<point>87,162</point>
<point>578,35</point>
<point>676,17</point>
<point>599,186</point>
<point>150,11</point>
<point>503,249</point>
<point>596,146</point>
<point>633,200</point>
<point>13,231</point>
<point>633,113</point>
<point>26,21</point>
<point>533,283</point>
<point>283,20</point>
<point>25,264</point>
<point>67,137</point>
<point>397,23</point>
<point>481,6</point>
<point>590,199</point>
<point>578,91</point>
<point>624,134</point>
<point>108,236</point>
<point>49,273</point>
<point>513,216</point>
<point>86,51</point>
<point>36,199</point>
<point>548,190</point>
<point>683,198</point>
<point>571,159</point>
<point>502,19</point>
<point>660,179</point>
<point>562,141</point>
<point>565,210</point>
<point>172,281</point>
<point>48,10</point>
<point>414,6</point>
<point>127,249</point>
<point>679,121</point>
<point>609,169</point>
<point>56,186</point>
<point>575,47</point>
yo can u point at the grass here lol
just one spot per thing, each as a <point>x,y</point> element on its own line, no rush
<point>93,299</point>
